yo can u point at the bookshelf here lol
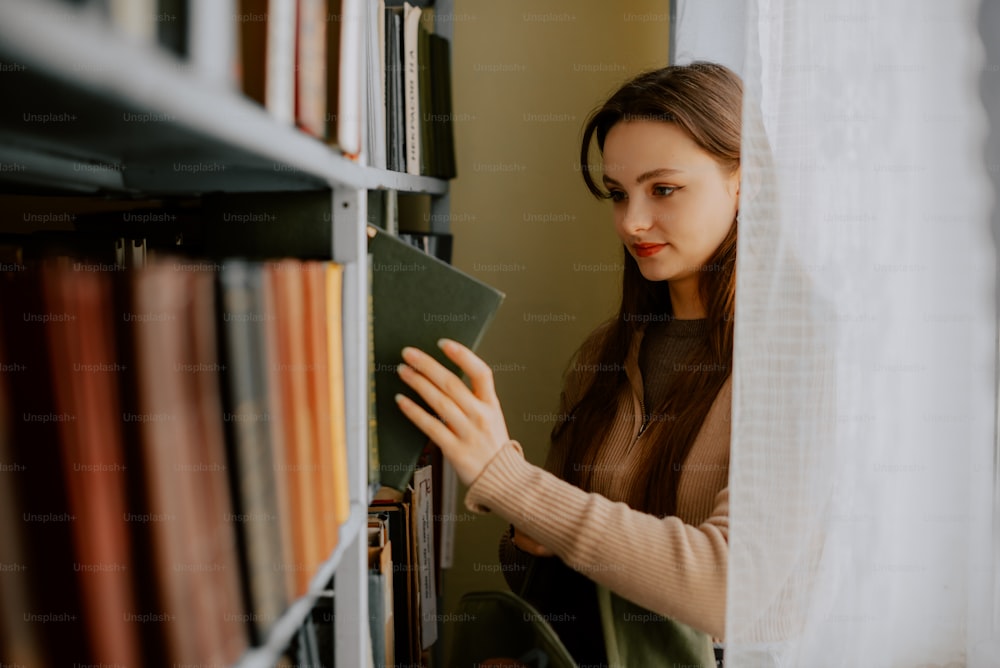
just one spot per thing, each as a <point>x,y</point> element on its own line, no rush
<point>198,137</point>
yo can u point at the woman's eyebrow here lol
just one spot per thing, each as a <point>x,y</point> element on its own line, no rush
<point>645,176</point>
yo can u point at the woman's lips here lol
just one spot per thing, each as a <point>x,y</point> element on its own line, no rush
<point>646,250</point>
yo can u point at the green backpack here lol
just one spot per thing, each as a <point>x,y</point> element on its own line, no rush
<point>500,624</point>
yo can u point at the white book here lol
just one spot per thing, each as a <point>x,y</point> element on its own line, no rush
<point>351,111</point>
<point>279,90</point>
<point>213,46</point>
<point>135,18</point>
<point>375,84</point>
<point>411,86</point>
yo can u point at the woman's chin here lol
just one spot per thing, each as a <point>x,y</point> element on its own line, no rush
<point>655,275</point>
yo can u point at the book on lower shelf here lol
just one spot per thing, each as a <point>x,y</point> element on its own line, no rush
<point>154,519</point>
<point>406,522</point>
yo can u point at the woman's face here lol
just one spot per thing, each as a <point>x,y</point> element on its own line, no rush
<point>673,203</point>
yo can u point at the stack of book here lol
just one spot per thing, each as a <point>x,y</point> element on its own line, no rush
<point>300,59</point>
<point>419,136</point>
<point>404,574</point>
<point>175,451</point>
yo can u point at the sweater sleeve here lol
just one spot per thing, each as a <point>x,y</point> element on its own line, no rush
<point>662,564</point>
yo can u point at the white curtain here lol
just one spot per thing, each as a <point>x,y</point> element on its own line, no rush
<point>864,404</point>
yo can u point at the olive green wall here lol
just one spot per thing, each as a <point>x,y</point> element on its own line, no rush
<point>525,76</point>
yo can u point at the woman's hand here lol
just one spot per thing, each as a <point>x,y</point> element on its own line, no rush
<point>471,429</point>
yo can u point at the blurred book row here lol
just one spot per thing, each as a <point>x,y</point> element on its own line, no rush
<point>337,69</point>
<point>179,458</point>
<point>174,444</point>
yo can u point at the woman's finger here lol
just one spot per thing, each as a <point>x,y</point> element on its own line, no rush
<point>479,372</point>
<point>446,381</point>
<point>432,427</point>
<point>442,404</point>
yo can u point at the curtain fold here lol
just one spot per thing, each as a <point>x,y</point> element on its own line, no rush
<point>864,398</point>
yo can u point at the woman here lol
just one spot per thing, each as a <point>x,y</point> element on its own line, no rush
<point>638,468</point>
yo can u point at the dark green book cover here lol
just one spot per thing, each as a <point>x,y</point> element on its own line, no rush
<point>417,299</point>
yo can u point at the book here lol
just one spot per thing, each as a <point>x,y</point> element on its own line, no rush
<point>183,465</point>
<point>85,371</point>
<point>212,517</point>
<point>135,18</point>
<point>397,516</point>
<point>43,502</point>
<point>448,515</point>
<point>380,592</point>
<point>351,77</point>
<point>375,80</point>
<point>417,300</point>
<point>395,116</point>
<point>213,44</point>
<point>338,477</point>
<point>172,26</point>
<point>374,468</point>
<point>411,85</point>
<point>442,126</point>
<point>428,155</point>
<point>277,432</point>
<point>323,618</point>
<point>423,519</point>
<point>20,639</point>
<point>331,66</point>
<point>254,29</point>
<point>291,374</point>
<point>311,66</point>
<point>438,244</point>
<point>317,365</point>
<point>280,78</point>
<point>247,417</point>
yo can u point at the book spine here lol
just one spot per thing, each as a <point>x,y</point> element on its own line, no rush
<point>411,86</point>
<point>212,41</point>
<point>338,411</point>
<point>424,102</point>
<point>351,77</point>
<point>311,93</point>
<point>374,475</point>
<point>250,447</point>
<point>135,18</point>
<point>280,75</point>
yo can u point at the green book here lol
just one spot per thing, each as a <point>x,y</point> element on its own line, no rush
<point>428,155</point>
<point>442,130</point>
<point>417,299</point>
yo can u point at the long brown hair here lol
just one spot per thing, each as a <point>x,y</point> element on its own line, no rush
<point>705,100</point>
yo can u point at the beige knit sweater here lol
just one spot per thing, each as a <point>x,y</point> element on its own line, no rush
<point>674,566</point>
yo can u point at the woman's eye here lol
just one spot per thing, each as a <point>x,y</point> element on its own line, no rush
<point>663,191</point>
<point>616,195</point>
